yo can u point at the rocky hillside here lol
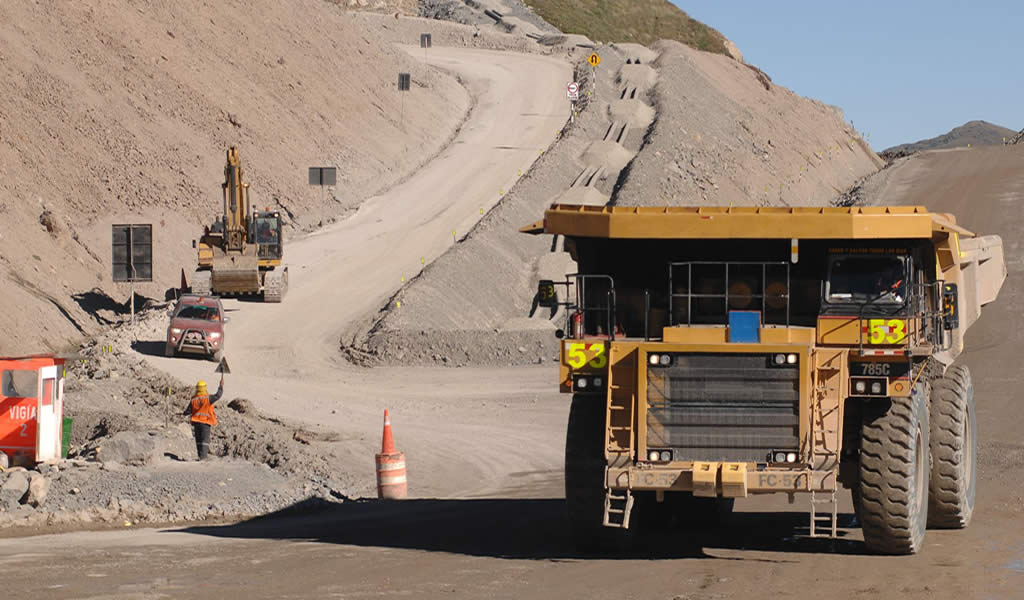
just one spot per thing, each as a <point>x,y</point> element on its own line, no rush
<point>664,125</point>
<point>973,133</point>
<point>114,112</point>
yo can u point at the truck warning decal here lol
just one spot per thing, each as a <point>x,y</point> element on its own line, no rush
<point>578,354</point>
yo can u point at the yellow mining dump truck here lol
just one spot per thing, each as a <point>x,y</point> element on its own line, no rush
<point>240,254</point>
<point>719,353</point>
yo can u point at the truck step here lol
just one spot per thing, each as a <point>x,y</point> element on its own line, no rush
<point>618,504</point>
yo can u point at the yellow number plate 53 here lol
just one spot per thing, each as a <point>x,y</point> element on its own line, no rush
<point>580,354</point>
<point>886,331</point>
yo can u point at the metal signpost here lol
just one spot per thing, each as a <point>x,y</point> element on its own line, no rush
<point>131,253</point>
<point>594,60</point>
<point>403,86</point>
<point>425,42</point>
<point>573,93</point>
<point>323,177</point>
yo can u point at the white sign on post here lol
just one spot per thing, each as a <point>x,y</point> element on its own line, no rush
<point>574,91</point>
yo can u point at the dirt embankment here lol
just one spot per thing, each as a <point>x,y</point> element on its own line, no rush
<point>121,113</point>
<point>668,125</point>
<point>725,134</point>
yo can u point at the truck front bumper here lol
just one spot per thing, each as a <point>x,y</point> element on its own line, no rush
<point>726,479</point>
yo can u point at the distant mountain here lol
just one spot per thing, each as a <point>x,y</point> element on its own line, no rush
<point>975,133</point>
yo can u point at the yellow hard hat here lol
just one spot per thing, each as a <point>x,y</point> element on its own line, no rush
<point>201,387</point>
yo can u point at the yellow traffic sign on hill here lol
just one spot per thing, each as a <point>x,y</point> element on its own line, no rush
<point>594,59</point>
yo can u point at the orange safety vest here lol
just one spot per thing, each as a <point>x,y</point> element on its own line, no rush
<point>202,410</point>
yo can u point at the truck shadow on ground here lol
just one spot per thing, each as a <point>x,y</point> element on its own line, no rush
<point>518,529</point>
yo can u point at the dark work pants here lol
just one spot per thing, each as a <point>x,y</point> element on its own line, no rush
<point>202,432</point>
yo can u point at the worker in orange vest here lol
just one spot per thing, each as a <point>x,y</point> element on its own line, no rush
<point>203,415</point>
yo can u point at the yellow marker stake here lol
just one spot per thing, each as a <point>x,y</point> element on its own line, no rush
<point>398,304</point>
<point>520,172</point>
<point>403,280</point>
<point>481,211</point>
<point>423,261</point>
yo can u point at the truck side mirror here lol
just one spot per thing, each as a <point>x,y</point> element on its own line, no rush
<point>950,307</point>
<point>193,244</point>
<point>546,296</point>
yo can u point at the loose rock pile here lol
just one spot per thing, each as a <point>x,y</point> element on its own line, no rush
<point>133,458</point>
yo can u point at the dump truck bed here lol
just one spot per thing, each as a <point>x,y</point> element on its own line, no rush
<point>975,264</point>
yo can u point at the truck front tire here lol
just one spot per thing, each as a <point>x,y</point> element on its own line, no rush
<point>954,450</point>
<point>894,471</point>
<point>584,479</point>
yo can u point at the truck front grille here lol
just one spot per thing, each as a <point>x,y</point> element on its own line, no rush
<point>723,407</point>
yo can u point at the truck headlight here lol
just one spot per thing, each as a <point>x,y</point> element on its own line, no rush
<point>791,359</point>
<point>653,455</point>
<point>666,455</point>
<point>791,457</point>
<point>581,383</point>
<point>654,359</point>
<point>213,335</point>
<point>175,331</point>
<point>860,387</point>
<point>597,382</point>
<point>665,360</point>
<point>779,359</point>
<point>876,387</point>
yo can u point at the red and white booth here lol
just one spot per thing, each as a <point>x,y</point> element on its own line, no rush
<point>31,408</point>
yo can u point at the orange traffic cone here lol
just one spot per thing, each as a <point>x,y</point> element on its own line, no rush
<point>391,482</point>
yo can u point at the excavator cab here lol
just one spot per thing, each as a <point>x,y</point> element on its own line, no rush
<point>267,234</point>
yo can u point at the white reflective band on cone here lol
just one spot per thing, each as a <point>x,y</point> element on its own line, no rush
<point>395,466</point>
<point>392,480</point>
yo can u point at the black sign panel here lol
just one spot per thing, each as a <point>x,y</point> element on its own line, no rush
<point>403,82</point>
<point>323,176</point>
<point>425,40</point>
<point>131,252</point>
<point>546,295</point>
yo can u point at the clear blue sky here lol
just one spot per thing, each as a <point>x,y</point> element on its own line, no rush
<point>901,70</point>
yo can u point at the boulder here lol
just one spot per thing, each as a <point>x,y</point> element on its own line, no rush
<point>127,447</point>
<point>5,461</point>
<point>38,487</point>
<point>13,490</point>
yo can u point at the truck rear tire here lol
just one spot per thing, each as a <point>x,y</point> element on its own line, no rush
<point>894,473</point>
<point>954,450</point>
<point>584,479</point>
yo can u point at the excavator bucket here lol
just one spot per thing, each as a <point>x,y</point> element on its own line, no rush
<point>236,274</point>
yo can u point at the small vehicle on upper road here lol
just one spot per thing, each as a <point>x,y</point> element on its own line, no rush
<point>197,327</point>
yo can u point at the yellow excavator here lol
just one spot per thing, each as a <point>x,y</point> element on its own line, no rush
<point>240,254</point>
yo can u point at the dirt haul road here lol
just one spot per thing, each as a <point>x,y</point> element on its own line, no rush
<point>285,357</point>
<point>515,547</point>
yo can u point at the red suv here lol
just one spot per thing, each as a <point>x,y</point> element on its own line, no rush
<point>197,327</point>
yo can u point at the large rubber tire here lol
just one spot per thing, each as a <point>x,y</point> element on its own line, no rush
<point>894,473</point>
<point>954,449</point>
<point>584,479</point>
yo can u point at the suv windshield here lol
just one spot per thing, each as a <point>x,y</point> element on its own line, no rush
<point>202,313</point>
<point>858,279</point>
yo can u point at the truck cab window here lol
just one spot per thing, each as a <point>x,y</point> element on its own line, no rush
<point>860,279</point>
